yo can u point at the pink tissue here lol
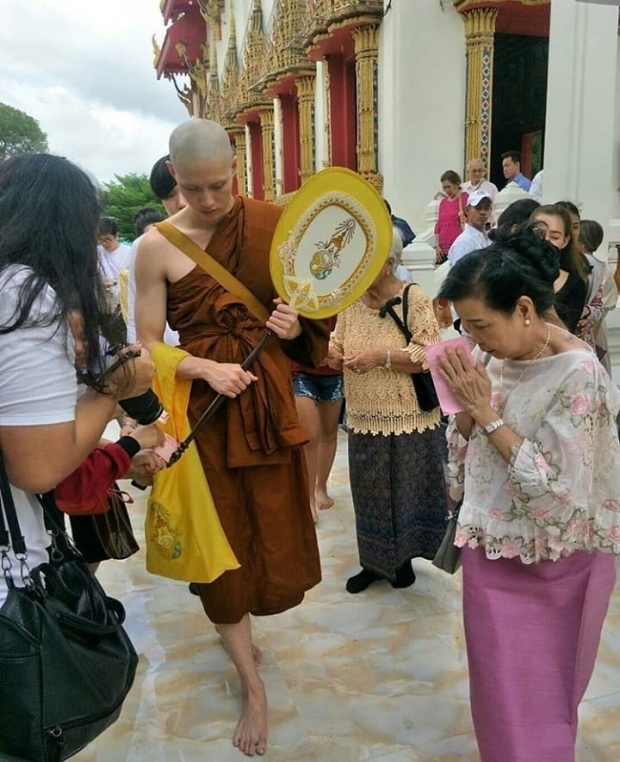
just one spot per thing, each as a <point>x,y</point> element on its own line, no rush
<point>447,400</point>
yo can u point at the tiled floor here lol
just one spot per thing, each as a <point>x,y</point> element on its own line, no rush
<point>377,676</point>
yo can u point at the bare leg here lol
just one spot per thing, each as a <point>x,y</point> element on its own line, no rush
<point>307,410</point>
<point>256,652</point>
<point>251,733</point>
<point>329,415</point>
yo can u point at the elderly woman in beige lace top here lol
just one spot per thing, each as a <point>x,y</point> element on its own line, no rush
<point>395,463</point>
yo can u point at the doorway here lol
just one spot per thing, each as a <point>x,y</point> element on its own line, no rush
<point>519,102</point>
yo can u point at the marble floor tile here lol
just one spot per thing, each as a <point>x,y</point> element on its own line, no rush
<point>377,676</point>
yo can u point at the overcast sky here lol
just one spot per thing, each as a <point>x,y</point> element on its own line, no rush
<point>84,70</point>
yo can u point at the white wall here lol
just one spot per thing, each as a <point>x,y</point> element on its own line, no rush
<point>422,76</point>
<point>579,139</point>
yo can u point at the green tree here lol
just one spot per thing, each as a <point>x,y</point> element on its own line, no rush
<point>19,133</point>
<point>123,197</point>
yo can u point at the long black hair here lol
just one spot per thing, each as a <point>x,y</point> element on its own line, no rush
<point>49,212</point>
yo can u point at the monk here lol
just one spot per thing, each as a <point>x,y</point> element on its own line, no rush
<point>252,450</point>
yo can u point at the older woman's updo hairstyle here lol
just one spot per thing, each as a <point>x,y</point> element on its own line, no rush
<point>517,264</point>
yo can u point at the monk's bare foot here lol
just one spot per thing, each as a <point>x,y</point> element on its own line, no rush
<point>251,734</point>
<point>323,500</point>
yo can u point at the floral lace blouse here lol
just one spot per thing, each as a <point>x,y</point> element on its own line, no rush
<point>383,400</point>
<point>561,490</point>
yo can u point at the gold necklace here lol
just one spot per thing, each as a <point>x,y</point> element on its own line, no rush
<point>502,403</point>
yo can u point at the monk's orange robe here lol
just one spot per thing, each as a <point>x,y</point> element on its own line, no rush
<point>252,449</point>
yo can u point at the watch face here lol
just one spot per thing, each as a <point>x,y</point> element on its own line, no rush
<point>330,243</point>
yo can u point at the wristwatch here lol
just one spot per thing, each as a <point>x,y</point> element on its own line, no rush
<point>491,427</point>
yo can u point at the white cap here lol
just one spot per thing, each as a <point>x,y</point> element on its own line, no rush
<point>475,197</point>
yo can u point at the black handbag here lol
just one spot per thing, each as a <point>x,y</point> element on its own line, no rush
<point>422,382</point>
<point>66,662</point>
<point>101,536</point>
<point>448,556</point>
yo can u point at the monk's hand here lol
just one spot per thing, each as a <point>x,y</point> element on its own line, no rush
<point>362,362</point>
<point>468,381</point>
<point>227,378</point>
<point>284,321</point>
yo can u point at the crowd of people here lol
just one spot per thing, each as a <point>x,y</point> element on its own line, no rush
<point>532,456</point>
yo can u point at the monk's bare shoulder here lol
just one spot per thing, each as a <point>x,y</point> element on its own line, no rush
<point>162,258</point>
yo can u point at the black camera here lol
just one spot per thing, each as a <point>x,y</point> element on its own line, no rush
<point>146,408</point>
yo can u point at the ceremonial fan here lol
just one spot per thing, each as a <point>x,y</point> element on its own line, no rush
<point>329,246</point>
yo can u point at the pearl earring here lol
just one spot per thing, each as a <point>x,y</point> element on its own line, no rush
<point>528,321</point>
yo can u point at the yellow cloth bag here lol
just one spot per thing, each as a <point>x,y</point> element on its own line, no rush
<point>183,533</point>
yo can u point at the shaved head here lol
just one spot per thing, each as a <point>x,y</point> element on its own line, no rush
<point>197,140</point>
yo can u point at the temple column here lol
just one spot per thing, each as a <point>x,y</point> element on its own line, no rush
<point>267,123</point>
<point>479,40</point>
<point>307,132</point>
<point>366,40</point>
<point>241,151</point>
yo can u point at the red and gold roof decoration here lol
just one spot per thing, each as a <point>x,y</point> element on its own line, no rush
<point>171,9</point>
<point>329,23</point>
<point>182,45</point>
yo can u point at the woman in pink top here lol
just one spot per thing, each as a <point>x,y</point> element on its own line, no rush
<point>451,219</point>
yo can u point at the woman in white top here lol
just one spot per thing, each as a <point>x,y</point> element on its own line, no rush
<point>537,454</point>
<point>50,289</point>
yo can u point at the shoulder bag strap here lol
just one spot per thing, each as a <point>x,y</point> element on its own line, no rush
<point>17,542</point>
<point>388,309</point>
<point>214,269</point>
<point>406,310</point>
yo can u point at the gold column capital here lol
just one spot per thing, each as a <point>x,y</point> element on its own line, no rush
<point>479,24</point>
<point>366,40</point>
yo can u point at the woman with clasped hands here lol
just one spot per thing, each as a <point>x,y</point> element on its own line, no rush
<point>537,454</point>
<point>50,285</point>
<point>396,472</point>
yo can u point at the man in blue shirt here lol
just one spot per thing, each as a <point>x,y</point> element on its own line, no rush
<point>511,166</point>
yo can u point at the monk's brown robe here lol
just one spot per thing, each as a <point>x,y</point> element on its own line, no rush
<point>252,449</point>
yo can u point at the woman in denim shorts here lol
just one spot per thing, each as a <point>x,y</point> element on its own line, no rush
<point>318,396</point>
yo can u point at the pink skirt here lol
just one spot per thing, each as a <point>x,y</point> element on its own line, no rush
<point>532,633</point>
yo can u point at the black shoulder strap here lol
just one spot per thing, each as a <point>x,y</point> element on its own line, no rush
<point>406,310</point>
<point>17,542</point>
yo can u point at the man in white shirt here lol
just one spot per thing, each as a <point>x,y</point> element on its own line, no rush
<point>476,173</point>
<point>536,188</point>
<point>113,257</point>
<point>474,236</point>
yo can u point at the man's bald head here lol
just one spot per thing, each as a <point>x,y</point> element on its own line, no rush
<point>197,140</point>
